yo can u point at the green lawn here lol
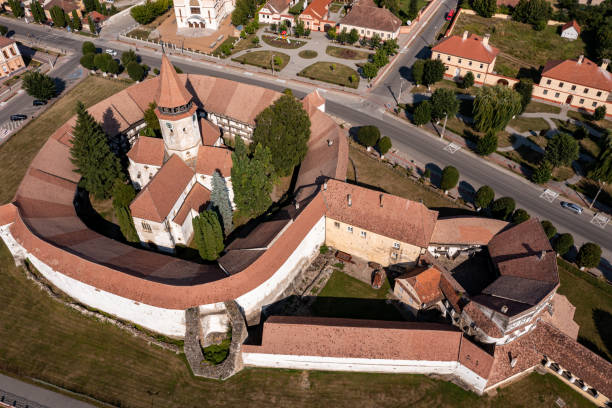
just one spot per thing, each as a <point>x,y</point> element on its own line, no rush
<point>532,48</point>
<point>263,59</point>
<point>346,297</point>
<point>346,53</point>
<point>538,107</point>
<point>590,146</point>
<point>405,5</point>
<point>280,43</point>
<point>593,300</point>
<point>333,73</point>
<point>308,54</point>
<point>46,340</point>
<point>523,124</point>
<point>17,153</point>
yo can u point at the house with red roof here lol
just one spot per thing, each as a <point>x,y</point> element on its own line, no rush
<point>570,30</point>
<point>466,53</point>
<point>316,16</point>
<point>277,11</point>
<point>369,20</point>
<point>579,83</point>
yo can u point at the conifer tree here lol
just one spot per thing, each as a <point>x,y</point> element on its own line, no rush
<point>252,178</point>
<point>92,156</point>
<point>75,23</point>
<point>92,25</point>
<point>220,201</point>
<point>208,235</point>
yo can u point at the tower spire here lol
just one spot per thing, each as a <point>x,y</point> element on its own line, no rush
<point>171,92</point>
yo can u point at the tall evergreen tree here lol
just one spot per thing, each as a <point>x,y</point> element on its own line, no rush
<point>562,150</point>
<point>252,178</point>
<point>220,200</point>
<point>284,128</point>
<point>58,16</point>
<point>92,156</point>
<point>75,23</point>
<point>92,25</point>
<point>89,5</point>
<point>208,235</point>
<point>16,8</point>
<point>153,128</point>
<point>123,194</point>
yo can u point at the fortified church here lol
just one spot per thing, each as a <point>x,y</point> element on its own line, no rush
<point>493,284</point>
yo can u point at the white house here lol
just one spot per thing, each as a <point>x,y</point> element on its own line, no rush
<point>570,30</point>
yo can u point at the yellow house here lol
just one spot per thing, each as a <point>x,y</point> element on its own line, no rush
<point>10,57</point>
<point>467,53</point>
<point>579,83</point>
<point>375,226</point>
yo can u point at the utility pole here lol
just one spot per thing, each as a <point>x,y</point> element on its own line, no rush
<point>399,98</point>
<point>444,128</point>
<point>598,191</point>
<point>272,64</point>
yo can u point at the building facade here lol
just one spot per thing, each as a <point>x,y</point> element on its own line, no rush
<point>316,16</point>
<point>277,11</point>
<point>202,14</point>
<point>570,30</point>
<point>11,60</point>
<point>369,20</point>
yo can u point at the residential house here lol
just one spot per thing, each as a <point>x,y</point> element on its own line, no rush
<point>67,5</point>
<point>579,83</point>
<point>369,19</point>
<point>570,30</point>
<point>98,19</point>
<point>316,16</point>
<point>277,11</point>
<point>467,53</point>
<point>10,58</point>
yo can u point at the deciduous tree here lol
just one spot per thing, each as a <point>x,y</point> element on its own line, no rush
<point>284,128</point>
<point>484,8</point>
<point>468,80</point>
<point>563,243</point>
<point>433,71</point>
<point>252,179</point>
<point>128,56</point>
<point>503,207</point>
<point>600,113</point>
<point>494,106</point>
<point>368,135</point>
<point>524,88</point>
<point>422,113</point>
<point>135,71</point>
<point>417,71</point>
<point>123,194</point>
<point>542,173</point>
<point>450,178</point>
<point>561,150</point>
<point>589,255</point>
<point>88,48</point>
<point>444,102</point>
<point>487,144</point>
<point>484,196</point>
<point>384,145</point>
<point>520,216</point>
<point>88,61</point>
<point>549,229</point>
<point>369,70</point>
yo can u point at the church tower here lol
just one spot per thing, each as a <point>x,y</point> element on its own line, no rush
<point>177,115</point>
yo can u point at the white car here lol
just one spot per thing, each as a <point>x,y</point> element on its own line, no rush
<point>111,52</point>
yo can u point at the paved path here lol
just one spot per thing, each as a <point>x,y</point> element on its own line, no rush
<point>21,394</point>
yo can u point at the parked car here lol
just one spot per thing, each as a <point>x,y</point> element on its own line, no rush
<point>39,102</point>
<point>572,207</point>
<point>111,52</point>
<point>18,116</point>
<point>450,14</point>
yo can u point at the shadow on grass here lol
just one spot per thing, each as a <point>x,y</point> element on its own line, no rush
<point>603,322</point>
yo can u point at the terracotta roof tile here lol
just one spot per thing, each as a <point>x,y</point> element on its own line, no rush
<point>277,6</point>
<point>397,218</point>
<point>426,283</point>
<point>196,200</point>
<point>351,338</point>
<point>466,230</point>
<point>317,9</point>
<point>66,5</point>
<point>148,150</point>
<point>470,48</point>
<point>563,316</point>
<point>211,159</point>
<point>210,132</point>
<point>586,73</point>
<point>475,358</point>
<point>171,92</point>
<point>156,200</point>
<point>8,213</point>
<point>482,321</point>
<point>312,101</point>
<point>5,41</point>
<point>372,17</point>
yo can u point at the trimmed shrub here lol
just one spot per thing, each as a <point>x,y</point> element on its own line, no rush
<point>422,113</point>
<point>563,243</point>
<point>503,207</point>
<point>484,196</point>
<point>520,216</point>
<point>487,144</point>
<point>542,173</point>
<point>549,229</point>
<point>88,48</point>
<point>135,71</point>
<point>450,178</point>
<point>368,135</point>
<point>383,145</point>
<point>589,255</point>
<point>468,80</point>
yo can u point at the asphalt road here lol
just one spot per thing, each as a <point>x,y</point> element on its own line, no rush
<point>418,144</point>
<point>27,395</point>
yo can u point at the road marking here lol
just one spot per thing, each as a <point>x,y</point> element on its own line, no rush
<point>452,148</point>
<point>282,81</point>
<point>600,220</point>
<point>248,73</point>
<point>549,195</point>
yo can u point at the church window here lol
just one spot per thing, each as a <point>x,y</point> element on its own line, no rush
<point>146,227</point>
<point>195,10</point>
<point>169,125</point>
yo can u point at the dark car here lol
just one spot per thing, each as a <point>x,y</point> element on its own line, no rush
<point>572,207</point>
<point>18,117</point>
<point>39,102</point>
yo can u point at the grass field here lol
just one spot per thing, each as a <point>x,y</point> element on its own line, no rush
<point>373,173</point>
<point>263,59</point>
<point>333,73</point>
<point>346,53</point>
<point>46,340</point>
<point>17,153</point>
<point>280,43</point>
<point>308,54</point>
<point>523,124</point>
<point>593,300</point>
<point>520,41</point>
<point>538,107</point>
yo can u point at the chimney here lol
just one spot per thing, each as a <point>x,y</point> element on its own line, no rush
<point>297,205</point>
<point>381,200</point>
<point>504,309</point>
<point>330,142</point>
<point>513,362</point>
<point>580,59</point>
<point>465,35</point>
<point>604,64</point>
<point>325,186</point>
<point>485,40</point>
<point>348,199</point>
<point>542,255</point>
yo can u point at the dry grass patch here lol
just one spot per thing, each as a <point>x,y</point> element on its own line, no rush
<point>346,53</point>
<point>17,153</point>
<point>523,124</point>
<point>263,59</point>
<point>538,107</point>
<point>333,73</point>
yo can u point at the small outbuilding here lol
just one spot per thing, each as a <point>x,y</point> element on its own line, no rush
<point>570,30</point>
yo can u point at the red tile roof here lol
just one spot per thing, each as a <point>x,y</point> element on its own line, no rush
<point>66,5</point>
<point>466,230</point>
<point>277,6</point>
<point>96,17</point>
<point>171,92</point>
<point>563,316</point>
<point>572,23</point>
<point>368,15</point>
<point>210,132</point>
<point>4,41</point>
<point>8,213</point>
<point>482,321</point>
<point>475,358</point>
<point>156,200</point>
<point>196,200</point>
<point>587,73</point>
<point>211,159</point>
<point>317,9</point>
<point>381,213</point>
<point>148,150</point>
<point>470,48</point>
<point>426,283</point>
<point>312,101</point>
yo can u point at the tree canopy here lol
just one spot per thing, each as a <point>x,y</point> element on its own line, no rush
<point>368,135</point>
<point>422,113</point>
<point>549,229</point>
<point>533,12</point>
<point>284,129</point>
<point>220,201</point>
<point>484,196</point>
<point>92,156</point>
<point>561,150</point>
<point>135,71</point>
<point>503,207</point>
<point>88,48</point>
<point>524,88</point>
<point>444,102</point>
<point>485,8</point>
<point>450,178</point>
<point>589,255</point>
<point>602,170</point>
<point>123,194</point>
<point>542,173</point>
<point>38,85</point>
<point>417,71</point>
<point>494,106</point>
<point>520,216</point>
<point>383,145</point>
<point>487,144</point>
<point>245,9</point>
<point>252,178</point>
<point>563,243</point>
<point>433,71</point>
<point>207,235</point>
